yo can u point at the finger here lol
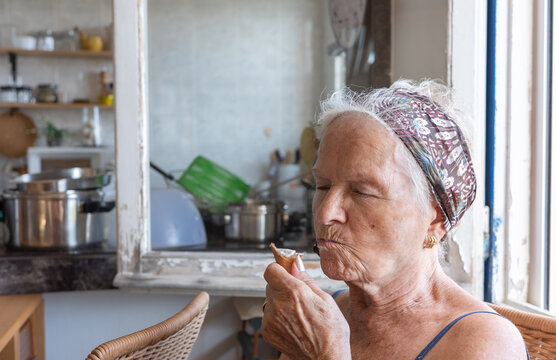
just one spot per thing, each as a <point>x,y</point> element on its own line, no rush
<point>298,271</point>
<point>278,278</point>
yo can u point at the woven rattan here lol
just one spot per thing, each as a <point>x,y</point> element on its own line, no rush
<point>538,331</point>
<point>171,339</point>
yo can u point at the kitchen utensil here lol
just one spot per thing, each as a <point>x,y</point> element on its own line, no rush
<point>289,191</point>
<point>66,40</point>
<point>175,220</point>
<point>346,17</point>
<point>92,43</point>
<point>215,185</point>
<point>55,220</point>
<point>255,220</point>
<point>25,42</point>
<point>308,146</point>
<point>45,40</point>
<point>47,93</point>
<point>68,211</point>
<point>8,94</point>
<point>91,129</point>
<point>17,133</point>
<point>24,94</point>
<point>258,192</point>
<point>159,170</point>
<point>62,180</point>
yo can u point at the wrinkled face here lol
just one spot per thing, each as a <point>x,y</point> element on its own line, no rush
<point>368,222</point>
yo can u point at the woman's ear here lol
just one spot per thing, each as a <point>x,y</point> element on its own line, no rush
<point>437,227</point>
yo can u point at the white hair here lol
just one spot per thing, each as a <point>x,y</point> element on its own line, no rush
<point>370,103</point>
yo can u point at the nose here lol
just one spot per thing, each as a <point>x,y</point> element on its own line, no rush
<point>328,207</point>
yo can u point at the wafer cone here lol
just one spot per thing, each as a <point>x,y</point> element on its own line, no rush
<point>284,257</point>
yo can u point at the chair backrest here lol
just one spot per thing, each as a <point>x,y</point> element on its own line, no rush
<point>171,339</point>
<point>538,331</point>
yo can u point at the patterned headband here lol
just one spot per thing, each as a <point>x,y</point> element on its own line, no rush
<point>439,147</point>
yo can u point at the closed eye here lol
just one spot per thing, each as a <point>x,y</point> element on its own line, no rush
<point>362,194</point>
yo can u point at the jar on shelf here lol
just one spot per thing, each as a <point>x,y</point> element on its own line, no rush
<point>45,40</point>
<point>47,93</point>
<point>24,94</point>
<point>8,94</point>
<point>90,130</point>
<point>66,40</point>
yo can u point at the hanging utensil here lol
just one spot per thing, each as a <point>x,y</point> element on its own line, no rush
<point>17,133</point>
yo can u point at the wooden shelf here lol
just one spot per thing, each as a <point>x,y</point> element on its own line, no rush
<point>53,106</point>
<point>59,53</point>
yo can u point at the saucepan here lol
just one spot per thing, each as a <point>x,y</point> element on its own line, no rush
<point>255,220</point>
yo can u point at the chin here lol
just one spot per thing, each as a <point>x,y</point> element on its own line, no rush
<point>343,268</point>
<point>334,269</point>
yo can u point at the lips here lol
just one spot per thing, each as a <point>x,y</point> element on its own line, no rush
<point>326,242</point>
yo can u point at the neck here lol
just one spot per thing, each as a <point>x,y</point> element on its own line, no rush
<point>410,289</point>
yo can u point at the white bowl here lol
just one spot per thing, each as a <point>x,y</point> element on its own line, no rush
<point>25,42</point>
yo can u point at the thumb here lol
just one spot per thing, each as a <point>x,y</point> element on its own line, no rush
<point>298,271</point>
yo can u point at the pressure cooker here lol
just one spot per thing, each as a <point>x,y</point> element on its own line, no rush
<point>57,209</point>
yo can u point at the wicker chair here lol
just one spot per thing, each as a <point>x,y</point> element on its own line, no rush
<point>538,331</point>
<point>171,339</point>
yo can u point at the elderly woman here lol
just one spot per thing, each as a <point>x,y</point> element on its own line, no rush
<point>393,176</point>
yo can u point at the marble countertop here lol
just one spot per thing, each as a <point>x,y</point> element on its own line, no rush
<point>220,268</point>
<point>24,271</point>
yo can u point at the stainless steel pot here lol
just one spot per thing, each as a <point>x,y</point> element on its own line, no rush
<point>57,210</point>
<point>255,220</point>
<point>56,220</point>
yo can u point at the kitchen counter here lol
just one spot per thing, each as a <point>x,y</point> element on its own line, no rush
<point>220,267</point>
<point>24,272</point>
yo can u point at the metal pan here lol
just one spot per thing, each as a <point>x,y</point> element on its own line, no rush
<point>62,180</point>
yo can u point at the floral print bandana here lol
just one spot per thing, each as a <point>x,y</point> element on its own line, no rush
<point>439,147</point>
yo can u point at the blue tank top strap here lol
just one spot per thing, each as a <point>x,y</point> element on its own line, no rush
<point>448,327</point>
<point>337,292</point>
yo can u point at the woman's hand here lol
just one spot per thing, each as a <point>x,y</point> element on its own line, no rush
<point>300,319</point>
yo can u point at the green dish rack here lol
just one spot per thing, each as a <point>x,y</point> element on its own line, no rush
<point>212,183</point>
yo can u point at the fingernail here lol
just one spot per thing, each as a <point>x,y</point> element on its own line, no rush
<point>299,263</point>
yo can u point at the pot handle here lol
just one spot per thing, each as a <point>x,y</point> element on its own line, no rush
<point>97,206</point>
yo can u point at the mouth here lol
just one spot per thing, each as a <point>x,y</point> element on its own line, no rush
<point>322,242</point>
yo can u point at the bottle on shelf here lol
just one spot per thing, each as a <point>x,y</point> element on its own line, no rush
<point>91,127</point>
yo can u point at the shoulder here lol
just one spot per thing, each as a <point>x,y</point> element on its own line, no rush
<point>482,336</point>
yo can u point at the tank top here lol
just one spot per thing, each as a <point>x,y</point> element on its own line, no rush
<point>439,336</point>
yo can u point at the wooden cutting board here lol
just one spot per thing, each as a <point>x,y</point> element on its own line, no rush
<point>17,133</point>
<point>308,146</point>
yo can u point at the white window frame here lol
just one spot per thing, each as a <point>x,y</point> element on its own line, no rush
<point>522,89</point>
<point>239,274</point>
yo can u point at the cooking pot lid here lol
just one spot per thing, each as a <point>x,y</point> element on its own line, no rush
<point>62,180</point>
<point>254,206</point>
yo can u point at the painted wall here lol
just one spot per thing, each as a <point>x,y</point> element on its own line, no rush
<point>77,322</point>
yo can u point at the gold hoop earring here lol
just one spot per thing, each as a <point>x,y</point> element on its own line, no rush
<point>430,242</point>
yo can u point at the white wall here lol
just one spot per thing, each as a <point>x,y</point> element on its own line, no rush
<point>77,322</point>
<point>419,39</point>
<point>221,72</point>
